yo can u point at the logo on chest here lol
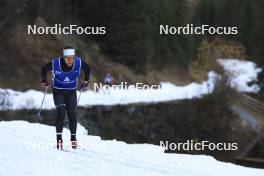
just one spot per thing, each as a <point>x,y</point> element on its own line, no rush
<point>67,79</point>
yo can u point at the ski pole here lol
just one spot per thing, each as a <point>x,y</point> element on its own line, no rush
<point>78,98</point>
<point>45,93</point>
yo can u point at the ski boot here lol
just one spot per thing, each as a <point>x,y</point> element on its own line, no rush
<point>74,144</point>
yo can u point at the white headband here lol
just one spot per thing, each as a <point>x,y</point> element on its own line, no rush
<point>68,52</point>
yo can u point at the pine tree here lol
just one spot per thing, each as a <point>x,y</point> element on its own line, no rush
<point>170,50</point>
<point>126,25</point>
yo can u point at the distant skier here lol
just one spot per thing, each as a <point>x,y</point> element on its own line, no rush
<point>65,71</point>
<point>108,79</point>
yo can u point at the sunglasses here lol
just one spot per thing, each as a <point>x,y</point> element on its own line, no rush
<point>68,58</point>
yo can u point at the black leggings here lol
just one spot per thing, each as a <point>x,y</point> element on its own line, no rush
<point>65,100</point>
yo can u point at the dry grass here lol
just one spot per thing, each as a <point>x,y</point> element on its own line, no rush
<point>22,56</point>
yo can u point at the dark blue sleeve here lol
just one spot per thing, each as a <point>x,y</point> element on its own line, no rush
<point>86,69</point>
<point>45,69</point>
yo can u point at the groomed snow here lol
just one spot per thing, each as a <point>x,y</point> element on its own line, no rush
<point>20,156</point>
<point>240,74</point>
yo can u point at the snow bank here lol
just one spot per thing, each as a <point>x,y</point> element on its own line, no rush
<point>114,158</point>
<point>240,74</point>
<point>32,99</point>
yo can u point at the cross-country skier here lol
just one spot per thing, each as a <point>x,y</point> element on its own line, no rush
<point>108,79</point>
<point>65,71</point>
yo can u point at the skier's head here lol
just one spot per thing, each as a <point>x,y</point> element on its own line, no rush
<point>68,55</point>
